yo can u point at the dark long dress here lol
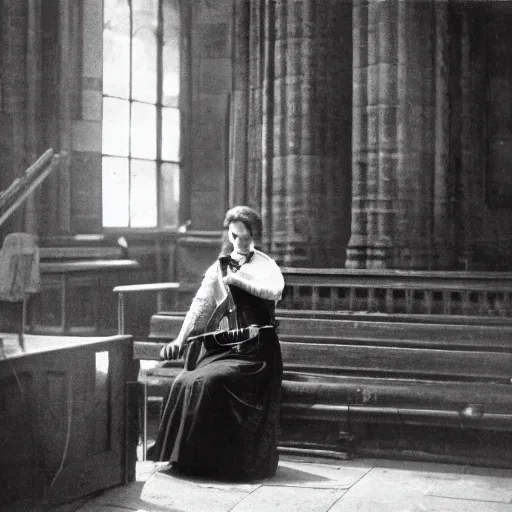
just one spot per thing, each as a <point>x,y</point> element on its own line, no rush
<point>220,418</point>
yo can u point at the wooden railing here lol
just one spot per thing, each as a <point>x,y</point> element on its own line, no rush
<point>397,292</point>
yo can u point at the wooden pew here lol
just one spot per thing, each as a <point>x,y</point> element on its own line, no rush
<point>430,391</point>
<point>77,278</point>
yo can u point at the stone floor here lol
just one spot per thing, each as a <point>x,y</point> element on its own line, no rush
<point>313,485</point>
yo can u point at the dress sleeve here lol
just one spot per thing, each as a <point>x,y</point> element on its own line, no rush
<point>266,282</point>
<point>202,306</point>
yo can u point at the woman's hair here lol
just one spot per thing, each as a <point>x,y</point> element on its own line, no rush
<point>251,220</point>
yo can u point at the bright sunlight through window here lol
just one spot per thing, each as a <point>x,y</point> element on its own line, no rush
<point>141,119</point>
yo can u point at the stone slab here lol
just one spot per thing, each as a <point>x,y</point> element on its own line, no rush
<point>483,488</point>
<point>320,476</point>
<point>125,498</point>
<point>186,493</point>
<point>421,504</point>
<point>289,499</point>
<point>396,490</point>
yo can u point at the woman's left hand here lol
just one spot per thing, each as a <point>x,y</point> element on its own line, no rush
<point>172,350</point>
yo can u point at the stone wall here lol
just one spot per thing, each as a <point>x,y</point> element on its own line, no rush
<point>211,84</point>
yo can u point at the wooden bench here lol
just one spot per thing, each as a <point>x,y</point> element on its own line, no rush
<point>422,391</point>
<point>77,277</point>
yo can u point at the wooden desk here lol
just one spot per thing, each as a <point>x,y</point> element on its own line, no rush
<point>62,417</point>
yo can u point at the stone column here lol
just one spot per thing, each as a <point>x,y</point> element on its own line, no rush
<point>387,133</point>
<point>356,252</point>
<point>86,56</point>
<point>312,129</point>
<point>400,110</point>
<point>416,134</point>
<point>34,106</point>
<point>238,161</point>
<point>14,98</point>
<point>375,134</point>
<point>299,127</point>
<point>253,179</point>
<point>443,243</point>
<point>65,121</point>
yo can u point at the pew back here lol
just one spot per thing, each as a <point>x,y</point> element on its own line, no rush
<point>349,385</point>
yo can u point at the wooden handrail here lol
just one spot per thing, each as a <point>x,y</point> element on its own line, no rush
<point>147,287</point>
<point>65,267</point>
<point>134,288</point>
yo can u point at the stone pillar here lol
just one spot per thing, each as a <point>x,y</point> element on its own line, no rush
<point>397,170</point>
<point>443,243</point>
<point>267,133</point>
<point>416,134</point>
<point>387,100</point>
<point>299,127</point>
<point>375,134</point>
<point>253,179</point>
<point>356,252</point>
<point>14,98</point>
<point>238,160</point>
<point>65,121</point>
<point>83,113</point>
<point>34,106</point>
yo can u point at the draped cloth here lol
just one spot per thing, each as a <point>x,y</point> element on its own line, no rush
<point>220,418</point>
<point>19,267</point>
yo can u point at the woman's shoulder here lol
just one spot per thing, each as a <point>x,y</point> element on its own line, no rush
<point>212,270</point>
<point>263,256</point>
<point>265,262</point>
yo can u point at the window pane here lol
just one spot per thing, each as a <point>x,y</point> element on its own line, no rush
<point>171,134</point>
<point>143,131</point>
<point>171,54</point>
<point>116,122</point>
<point>143,196</point>
<point>145,14</point>
<point>169,194</point>
<point>116,48</point>
<point>115,192</point>
<point>144,66</point>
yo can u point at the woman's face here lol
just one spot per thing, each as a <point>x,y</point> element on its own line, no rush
<point>240,237</point>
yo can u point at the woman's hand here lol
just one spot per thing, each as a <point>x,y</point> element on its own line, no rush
<point>173,350</point>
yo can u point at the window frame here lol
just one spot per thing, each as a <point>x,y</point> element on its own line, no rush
<point>181,107</point>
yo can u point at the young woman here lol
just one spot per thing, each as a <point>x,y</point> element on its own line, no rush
<point>220,416</point>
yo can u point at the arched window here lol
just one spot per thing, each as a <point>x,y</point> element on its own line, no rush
<point>141,118</point>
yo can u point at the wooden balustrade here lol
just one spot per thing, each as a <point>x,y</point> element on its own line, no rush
<point>422,293</point>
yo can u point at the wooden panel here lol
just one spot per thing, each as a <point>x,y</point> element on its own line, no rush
<point>82,298</point>
<point>18,422</point>
<point>387,392</point>
<point>77,298</point>
<point>165,327</point>
<point>447,364</point>
<point>55,445</point>
<point>46,307</point>
<point>396,333</point>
